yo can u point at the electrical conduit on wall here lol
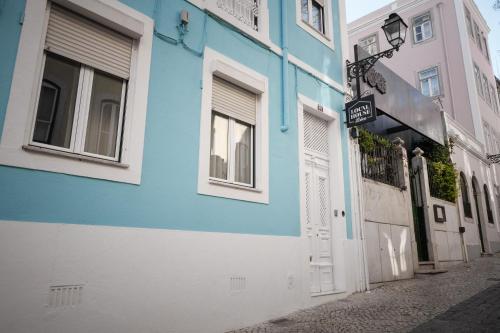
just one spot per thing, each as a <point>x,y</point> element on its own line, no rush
<point>284,75</point>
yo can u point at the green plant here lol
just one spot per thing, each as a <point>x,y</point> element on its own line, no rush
<point>443,180</point>
<point>369,141</point>
<point>442,173</point>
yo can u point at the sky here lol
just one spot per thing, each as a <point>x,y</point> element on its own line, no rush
<point>358,8</point>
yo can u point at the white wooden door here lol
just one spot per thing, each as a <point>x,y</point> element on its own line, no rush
<point>317,203</point>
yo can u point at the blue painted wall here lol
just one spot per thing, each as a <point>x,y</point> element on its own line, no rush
<point>167,196</point>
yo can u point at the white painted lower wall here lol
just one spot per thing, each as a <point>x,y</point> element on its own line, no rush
<point>470,165</point>
<point>448,238</point>
<point>150,280</point>
<point>390,239</point>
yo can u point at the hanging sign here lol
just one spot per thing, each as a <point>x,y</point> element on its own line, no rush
<point>361,111</point>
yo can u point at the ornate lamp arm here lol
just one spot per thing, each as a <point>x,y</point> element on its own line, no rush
<point>495,159</point>
<point>361,67</point>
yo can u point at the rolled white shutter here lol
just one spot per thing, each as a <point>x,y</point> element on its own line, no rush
<point>88,42</point>
<point>233,101</point>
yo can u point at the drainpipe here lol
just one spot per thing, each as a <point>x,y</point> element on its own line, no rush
<point>284,66</point>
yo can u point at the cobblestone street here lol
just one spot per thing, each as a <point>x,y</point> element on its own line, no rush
<point>465,299</point>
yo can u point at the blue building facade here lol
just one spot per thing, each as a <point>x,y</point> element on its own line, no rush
<point>143,230</point>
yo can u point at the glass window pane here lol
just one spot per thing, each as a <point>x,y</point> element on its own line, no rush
<point>219,146</point>
<point>243,153</point>
<point>104,115</point>
<point>435,86</point>
<point>317,17</point>
<point>304,8</point>
<point>427,29</point>
<point>425,87</point>
<point>56,105</point>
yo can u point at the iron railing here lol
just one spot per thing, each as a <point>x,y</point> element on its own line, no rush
<point>433,187</point>
<point>381,165</point>
<point>246,11</point>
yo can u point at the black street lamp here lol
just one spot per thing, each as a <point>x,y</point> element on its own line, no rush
<point>395,32</point>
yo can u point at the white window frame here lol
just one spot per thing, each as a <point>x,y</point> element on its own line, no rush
<point>15,145</point>
<point>478,35</point>
<point>494,100</point>
<point>486,48</point>
<point>486,89</point>
<point>219,65</point>
<point>263,30</point>
<point>479,83</point>
<point>438,76</point>
<point>81,114</point>
<point>468,22</point>
<point>414,26</point>
<point>327,37</point>
<point>231,163</point>
<point>376,43</point>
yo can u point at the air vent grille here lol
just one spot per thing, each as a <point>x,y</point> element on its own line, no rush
<point>65,295</point>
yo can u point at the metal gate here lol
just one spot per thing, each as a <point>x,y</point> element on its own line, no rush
<point>417,201</point>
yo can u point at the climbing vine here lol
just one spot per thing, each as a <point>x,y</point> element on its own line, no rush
<point>442,173</point>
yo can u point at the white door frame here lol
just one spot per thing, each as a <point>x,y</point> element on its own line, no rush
<point>337,200</point>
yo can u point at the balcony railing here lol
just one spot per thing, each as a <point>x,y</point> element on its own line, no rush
<point>246,11</point>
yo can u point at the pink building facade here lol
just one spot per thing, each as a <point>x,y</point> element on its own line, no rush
<point>446,56</point>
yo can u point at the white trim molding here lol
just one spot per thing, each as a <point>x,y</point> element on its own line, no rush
<point>236,73</point>
<point>327,38</point>
<point>21,107</point>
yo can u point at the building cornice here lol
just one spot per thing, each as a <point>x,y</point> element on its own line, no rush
<point>396,6</point>
<point>477,13</point>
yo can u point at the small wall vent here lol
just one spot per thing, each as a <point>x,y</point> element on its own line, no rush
<point>238,283</point>
<point>65,295</point>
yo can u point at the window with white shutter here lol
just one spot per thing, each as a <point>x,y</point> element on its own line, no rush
<point>78,38</point>
<point>81,101</point>
<point>79,90</point>
<point>232,132</point>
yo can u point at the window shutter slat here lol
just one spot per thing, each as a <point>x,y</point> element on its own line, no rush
<point>88,42</point>
<point>233,101</point>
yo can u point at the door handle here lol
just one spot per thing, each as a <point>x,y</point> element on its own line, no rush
<point>310,258</point>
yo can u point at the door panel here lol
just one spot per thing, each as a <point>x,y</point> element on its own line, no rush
<point>402,252</point>
<point>373,252</point>
<point>387,255</point>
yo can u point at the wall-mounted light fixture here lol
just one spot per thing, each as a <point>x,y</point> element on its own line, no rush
<point>395,31</point>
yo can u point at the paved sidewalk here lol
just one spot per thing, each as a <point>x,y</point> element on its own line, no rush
<point>480,313</point>
<point>403,305</point>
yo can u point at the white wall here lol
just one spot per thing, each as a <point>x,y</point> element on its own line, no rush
<point>448,239</point>
<point>390,239</point>
<point>148,280</point>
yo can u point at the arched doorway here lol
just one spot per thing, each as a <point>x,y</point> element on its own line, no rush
<point>478,202</point>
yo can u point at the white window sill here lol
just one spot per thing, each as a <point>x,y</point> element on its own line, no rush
<point>232,185</point>
<point>42,150</point>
